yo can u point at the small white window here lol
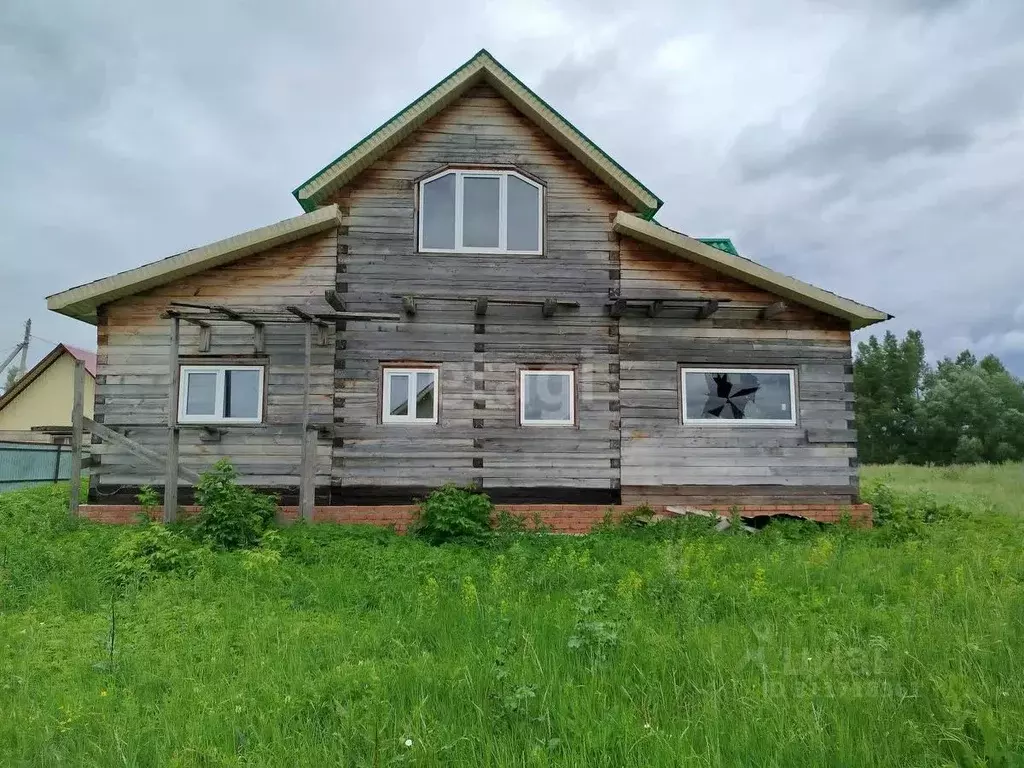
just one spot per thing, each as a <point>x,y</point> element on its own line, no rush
<point>738,395</point>
<point>410,396</point>
<point>480,212</point>
<point>220,393</point>
<point>547,398</point>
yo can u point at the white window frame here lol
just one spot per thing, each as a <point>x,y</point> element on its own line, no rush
<point>218,417</point>
<point>386,416</point>
<point>790,422</point>
<point>525,422</point>
<point>460,175</point>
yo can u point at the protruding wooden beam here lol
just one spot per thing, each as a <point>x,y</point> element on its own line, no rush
<point>655,307</point>
<point>480,308</point>
<point>773,310</point>
<point>549,307</point>
<point>205,337</point>
<point>409,305</point>
<point>334,299</point>
<point>617,308</point>
<point>707,309</point>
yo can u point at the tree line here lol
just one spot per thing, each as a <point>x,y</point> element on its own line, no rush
<point>961,411</point>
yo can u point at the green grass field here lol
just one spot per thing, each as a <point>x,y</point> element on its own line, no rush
<point>673,646</point>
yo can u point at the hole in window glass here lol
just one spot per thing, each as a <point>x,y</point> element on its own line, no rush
<point>201,394</point>
<point>547,397</point>
<point>399,394</point>
<point>748,395</point>
<point>242,394</point>
<point>439,212</point>
<point>523,215</point>
<point>424,395</point>
<point>480,212</point>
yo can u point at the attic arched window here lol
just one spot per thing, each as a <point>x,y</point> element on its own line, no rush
<point>480,211</point>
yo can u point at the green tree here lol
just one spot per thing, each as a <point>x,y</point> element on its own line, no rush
<point>971,411</point>
<point>887,379</point>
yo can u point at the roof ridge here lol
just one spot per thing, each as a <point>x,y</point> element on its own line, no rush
<point>397,128</point>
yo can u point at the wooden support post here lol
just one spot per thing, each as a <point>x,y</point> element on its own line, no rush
<point>617,308</point>
<point>480,306</point>
<point>409,305</point>
<point>173,434</point>
<point>707,309</point>
<point>77,413</point>
<point>772,310</point>
<point>306,479</point>
<point>548,307</point>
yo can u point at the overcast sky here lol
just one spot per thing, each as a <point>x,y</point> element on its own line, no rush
<point>872,147</point>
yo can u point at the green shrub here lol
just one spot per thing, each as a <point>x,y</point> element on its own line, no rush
<point>232,516</point>
<point>149,550</point>
<point>452,513</point>
<point>902,515</point>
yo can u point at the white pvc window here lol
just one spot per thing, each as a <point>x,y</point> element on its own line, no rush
<point>738,396</point>
<point>410,396</point>
<point>481,212</point>
<point>547,398</point>
<point>220,393</point>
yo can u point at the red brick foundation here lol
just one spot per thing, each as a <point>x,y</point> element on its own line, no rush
<point>561,518</point>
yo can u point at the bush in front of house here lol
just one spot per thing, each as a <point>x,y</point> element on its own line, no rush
<point>231,516</point>
<point>454,514</point>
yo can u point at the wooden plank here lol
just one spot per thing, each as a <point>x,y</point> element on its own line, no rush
<point>77,415</point>
<point>135,448</point>
<point>773,310</point>
<point>306,487</point>
<point>171,470</point>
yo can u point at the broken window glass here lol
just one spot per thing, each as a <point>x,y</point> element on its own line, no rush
<point>751,395</point>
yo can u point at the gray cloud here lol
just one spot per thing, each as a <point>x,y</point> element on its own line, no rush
<point>869,146</point>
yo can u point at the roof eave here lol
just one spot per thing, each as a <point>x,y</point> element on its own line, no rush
<point>858,315</point>
<point>82,301</point>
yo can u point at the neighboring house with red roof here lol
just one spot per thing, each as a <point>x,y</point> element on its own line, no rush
<point>38,406</point>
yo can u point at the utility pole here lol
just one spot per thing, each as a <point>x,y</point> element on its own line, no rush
<point>24,347</point>
<point>20,347</point>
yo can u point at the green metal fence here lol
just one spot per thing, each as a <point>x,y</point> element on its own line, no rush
<point>27,464</point>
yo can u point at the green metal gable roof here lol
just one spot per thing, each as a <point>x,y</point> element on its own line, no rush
<point>721,243</point>
<point>482,66</point>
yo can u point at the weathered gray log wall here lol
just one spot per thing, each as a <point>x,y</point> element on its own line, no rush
<point>133,374</point>
<point>478,439</point>
<point>629,438</point>
<point>665,461</point>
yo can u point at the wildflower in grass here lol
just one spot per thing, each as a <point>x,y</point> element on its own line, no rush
<point>469,593</point>
<point>408,742</point>
<point>103,691</point>
<point>629,586</point>
<point>499,575</point>
<point>759,584</point>
<point>430,592</point>
<point>822,551</point>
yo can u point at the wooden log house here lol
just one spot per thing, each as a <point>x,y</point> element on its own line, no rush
<point>476,293</point>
